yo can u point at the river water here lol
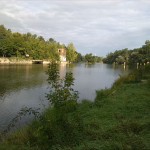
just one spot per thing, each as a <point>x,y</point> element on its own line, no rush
<point>26,85</point>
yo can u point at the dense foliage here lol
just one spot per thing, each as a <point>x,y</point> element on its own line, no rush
<point>139,55</point>
<point>71,53</point>
<point>56,128</point>
<point>21,45</point>
<point>36,47</point>
<point>32,46</point>
<point>90,58</point>
<point>61,92</point>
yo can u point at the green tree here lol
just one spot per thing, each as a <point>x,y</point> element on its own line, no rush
<point>51,40</point>
<point>71,53</point>
<point>18,44</point>
<point>98,59</point>
<point>79,57</point>
<point>90,58</point>
<point>5,42</point>
<point>61,124</point>
<point>61,92</point>
<point>120,60</point>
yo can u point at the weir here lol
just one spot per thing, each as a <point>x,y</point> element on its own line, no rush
<point>37,61</point>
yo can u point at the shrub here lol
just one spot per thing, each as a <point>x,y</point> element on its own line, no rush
<point>61,124</point>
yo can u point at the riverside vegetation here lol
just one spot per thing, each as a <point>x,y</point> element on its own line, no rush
<point>117,119</point>
<point>125,56</point>
<point>19,47</point>
<point>16,47</point>
<point>26,47</point>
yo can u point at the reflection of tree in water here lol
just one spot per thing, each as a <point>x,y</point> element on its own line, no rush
<point>88,65</point>
<point>2,97</point>
<point>71,65</point>
<point>14,78</point>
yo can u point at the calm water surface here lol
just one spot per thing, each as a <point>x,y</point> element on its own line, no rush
<point>26,85</point>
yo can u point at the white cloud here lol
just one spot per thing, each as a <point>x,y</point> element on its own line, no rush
<point>94,26</point>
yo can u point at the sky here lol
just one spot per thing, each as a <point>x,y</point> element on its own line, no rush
<point>94,26</point>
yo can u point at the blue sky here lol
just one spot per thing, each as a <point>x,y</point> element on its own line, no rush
<point>94,26</point>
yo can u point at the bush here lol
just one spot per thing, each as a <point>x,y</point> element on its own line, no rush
<point>61,124</point>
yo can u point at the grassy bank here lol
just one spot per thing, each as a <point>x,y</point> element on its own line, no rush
<point>117,119</point>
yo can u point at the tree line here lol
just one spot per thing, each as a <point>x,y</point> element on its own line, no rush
<point>32,46</point>
<point>138,55</point>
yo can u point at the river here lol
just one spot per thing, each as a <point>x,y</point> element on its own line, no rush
<point>26,85</point>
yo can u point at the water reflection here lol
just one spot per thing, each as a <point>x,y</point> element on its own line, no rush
<point>89,65</point>
<point>14,78</point>
<point>26,85</point>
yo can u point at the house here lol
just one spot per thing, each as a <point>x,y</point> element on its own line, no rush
<point>62,54</point>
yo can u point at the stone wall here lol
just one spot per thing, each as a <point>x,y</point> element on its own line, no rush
<point>14,61</point>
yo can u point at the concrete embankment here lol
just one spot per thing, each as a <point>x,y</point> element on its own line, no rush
<point>14,61</point>
<point>4,60</point>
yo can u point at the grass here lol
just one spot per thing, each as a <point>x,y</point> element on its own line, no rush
<point>117,120</point>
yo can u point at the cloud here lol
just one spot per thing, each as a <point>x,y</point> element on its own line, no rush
<point>93,26</point>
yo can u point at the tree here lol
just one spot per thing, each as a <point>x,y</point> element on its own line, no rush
<point>5,41</point>
<point>62,125</point>
<point>120,60</point>
<point>61,92</point>
<point>90,58</point>
<point>18,44</point>
<point>51,40</point>
<point>79,57</point>
<point>71,53</point>
<point>41,38</point>
<point>98,59</point>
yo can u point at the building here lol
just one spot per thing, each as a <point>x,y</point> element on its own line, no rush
<point>62,54</point>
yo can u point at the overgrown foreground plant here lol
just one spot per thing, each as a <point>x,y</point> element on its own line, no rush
<point>61,124</point>
<point>61,92</point>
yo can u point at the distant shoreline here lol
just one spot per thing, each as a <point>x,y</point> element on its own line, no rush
<point>14,61</point>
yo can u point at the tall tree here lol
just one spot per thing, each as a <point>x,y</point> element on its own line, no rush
<point>90,58</point>
<point>5,41</point>
<point>71,53</point>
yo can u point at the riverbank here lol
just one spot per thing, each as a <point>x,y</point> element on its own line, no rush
<point>14,61</point>
<point>118,119</point>
<point>25,61</point>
